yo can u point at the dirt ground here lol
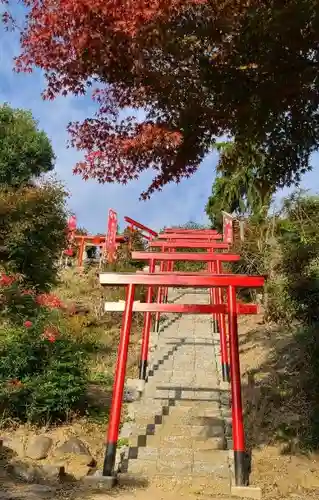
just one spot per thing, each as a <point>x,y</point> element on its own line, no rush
<point>279,466</point>
<point>270,389</point>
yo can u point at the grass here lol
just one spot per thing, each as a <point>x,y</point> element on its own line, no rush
<point>281,367</point>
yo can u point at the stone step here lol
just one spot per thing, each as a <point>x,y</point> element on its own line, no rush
<point>214,425</point>
<point>149,420</point>
<point>216,458</point>
<point>186,471</point>
<point>172,391</point>
<point>180,423</point>
<point>180,442</point>
<point>182,402</point>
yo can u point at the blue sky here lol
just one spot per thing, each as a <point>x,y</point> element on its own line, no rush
<point>176,204</point>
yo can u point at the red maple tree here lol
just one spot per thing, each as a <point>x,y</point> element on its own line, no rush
<point>197,68</point>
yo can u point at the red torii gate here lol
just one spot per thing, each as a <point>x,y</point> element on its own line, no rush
<point>230,282</point>
<point>206,241</point>
<point>98,240</point>
<point>186,256</point>
<point>188,236</point>
<point>211,259</point>
<point>188,231</point>
<point>135,224</point>
<point>211,245</point>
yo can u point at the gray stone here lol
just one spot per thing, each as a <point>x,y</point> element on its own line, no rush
<point>208,469</point>
<point>187,368</point>
<point>129,479</point>
<point>49,472</point>
<point>5,495</point>
<point>174,467</point>
<point>39,447</point>
<point>229,443</point>
<point>14,444</point>
<point>131,413</point>
<point>22,470</point>
<point>246,492</point>
<point>100,481</point>
<point>173,454</point>
<point>121,455</point>
<point>132,390</point>
<point>131,395</point>
<point>32,473</point>
<point>75,446</point>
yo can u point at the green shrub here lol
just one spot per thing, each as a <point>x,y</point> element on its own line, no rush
<point>279,306</point>
<point>285,248</point>
<point>308,340</point>
<point>43,373</point>
<point>299,236</point>
<point>124,259</point>
<point>25,151</point>
<point>15,303</point>
<point>33,232</point>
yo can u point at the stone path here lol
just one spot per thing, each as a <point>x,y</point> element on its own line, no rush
<point>179,432</point>
<point>180,427</point>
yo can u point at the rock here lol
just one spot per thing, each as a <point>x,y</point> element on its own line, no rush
<point>75,446</point>
<point>100,481</point>
<point>14,444</point>
<point>49,472</point>
<point>77,466</point>
<point>132,391</point>
<point>246,492</point>
<point>77,470</point>
<point>131,395</point>
<point>39,447</point>
<point>131,413</point>
<point>153,342</point>
<point>33,473</point>
<point>23,471</point>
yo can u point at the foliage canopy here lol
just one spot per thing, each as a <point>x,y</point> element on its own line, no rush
<point>33,232</point>
<point>25,151</point>
<point>33,213</point>
<point>199,69</point>
<point>239,186</point>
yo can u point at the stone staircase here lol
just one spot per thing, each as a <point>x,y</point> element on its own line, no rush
<point>181,426</point>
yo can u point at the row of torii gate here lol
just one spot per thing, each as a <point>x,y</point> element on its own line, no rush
<point>164,250</point>
<point>107,243</point>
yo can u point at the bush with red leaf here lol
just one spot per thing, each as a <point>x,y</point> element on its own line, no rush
<point>50,301</point>
<point>43,371</point>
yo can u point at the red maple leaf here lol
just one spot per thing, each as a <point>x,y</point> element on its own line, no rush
<point>77,42</point>
<point>198,69</point>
